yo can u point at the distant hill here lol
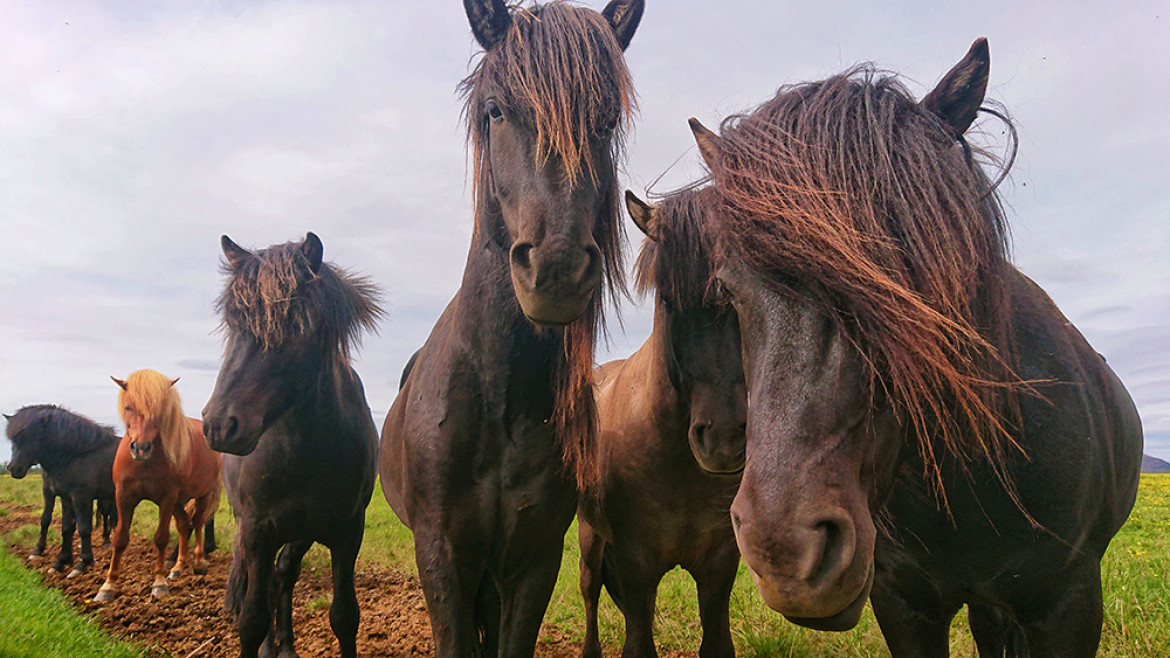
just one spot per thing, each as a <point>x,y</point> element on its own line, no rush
<point>1154,465</point>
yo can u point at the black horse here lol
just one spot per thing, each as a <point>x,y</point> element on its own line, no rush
<point>292,414</point>
<point>77,458</point>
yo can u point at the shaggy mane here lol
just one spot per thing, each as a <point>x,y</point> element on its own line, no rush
<point>59,429</point>
<point>276,299</point>
<point>154,395</point>
<point>678,262</point>
<point>854,191</point>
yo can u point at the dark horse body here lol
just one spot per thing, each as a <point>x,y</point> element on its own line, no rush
<point>674,404</point>
<point>899,367</point>
<point>77,458</point>
<point>473,448</point>
<point>292,414</point>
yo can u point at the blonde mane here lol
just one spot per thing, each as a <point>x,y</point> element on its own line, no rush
<point>154,395</point>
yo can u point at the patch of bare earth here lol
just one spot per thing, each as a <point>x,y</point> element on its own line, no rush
<point>191,622</point>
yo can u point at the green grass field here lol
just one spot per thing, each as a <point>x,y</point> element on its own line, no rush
<point>1137,592</point>
<point>39,622</point>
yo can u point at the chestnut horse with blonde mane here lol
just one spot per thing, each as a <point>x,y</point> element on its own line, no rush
<point>162,458</point>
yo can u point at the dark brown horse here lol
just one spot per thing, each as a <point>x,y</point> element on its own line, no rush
<point>77,458</point>
<point>674,404</point>
<point>164,459</point>
<point>291,412</point>
<point>922,419</point>
<point>474,449</point>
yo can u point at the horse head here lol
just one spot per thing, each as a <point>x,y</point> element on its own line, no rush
<point>696,324</point>
<point>546,108</point>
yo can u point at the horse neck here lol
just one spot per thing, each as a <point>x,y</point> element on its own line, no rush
<point>666,398</point>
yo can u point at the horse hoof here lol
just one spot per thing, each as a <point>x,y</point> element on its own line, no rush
<point>105,595</point>
<point>175,573</point>
<point>159,591</point>
<point>200,571</point>
<point>169,564</point>
<point>34,558</point>
<point>75,573</point>
<point>54,571</point>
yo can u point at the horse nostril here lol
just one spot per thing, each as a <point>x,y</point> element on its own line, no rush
<point>522,256</point>
<point>591,272</point>
<point>832,549</point>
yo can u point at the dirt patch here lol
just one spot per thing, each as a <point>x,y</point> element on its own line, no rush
<point>192,622</point>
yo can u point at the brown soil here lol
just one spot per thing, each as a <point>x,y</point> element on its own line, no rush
<point>191,622</point>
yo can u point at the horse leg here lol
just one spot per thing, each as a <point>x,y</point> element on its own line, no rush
<point>126,507</point>
<point>288,569</point>
<point>204,516</point>
<point>109,514</point>
<point>344,614</point>
<point>450,579</point>
<point>83,512</point>
<point>183,525</point>
<point>68,525</point>
<point>639,592</point>
<point>254,622</point>
<point>592,550</point>
<point>524,598</point>
<point>50,500</point>
<point>714,585</point>
<point>918,629</point>
<point>1066,622</point>
<point>162,536</point>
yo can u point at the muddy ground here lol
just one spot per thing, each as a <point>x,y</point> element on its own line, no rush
<point>191,622</point>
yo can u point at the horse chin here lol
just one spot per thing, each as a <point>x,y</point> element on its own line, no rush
<point>552,310</point>
<point>236,447</point>
<point>844,620</point>
<point>18,472</point>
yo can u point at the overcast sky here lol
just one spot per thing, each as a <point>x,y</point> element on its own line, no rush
<point>132,135</point>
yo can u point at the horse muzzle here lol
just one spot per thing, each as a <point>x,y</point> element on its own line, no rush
<point>17,472</point>
<point>141,451</point>
<point>554,289</point>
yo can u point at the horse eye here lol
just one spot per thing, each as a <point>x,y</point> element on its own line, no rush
<point>666,303</point>
<point>494,112</point>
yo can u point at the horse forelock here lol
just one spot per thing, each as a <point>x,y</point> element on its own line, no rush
<point>561,72</point>
<point>154,396</point>
<point>854,190</point>
<point>277,300</point>
<point>677,261</point>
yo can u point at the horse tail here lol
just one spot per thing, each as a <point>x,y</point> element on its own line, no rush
<point>237,583</point>
<point>409,367</point>
<point>609,575</point>
<point>487,615</point>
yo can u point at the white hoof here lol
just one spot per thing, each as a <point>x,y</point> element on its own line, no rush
<point>159,591</point>
<point>75,573</point>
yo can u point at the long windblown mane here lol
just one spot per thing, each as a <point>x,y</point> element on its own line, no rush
<point>154,395</point>
<point>59,429</point>
<point>560,71</point>
<point>857,194</point>
<point>276,299</point>
<point>677,261</point>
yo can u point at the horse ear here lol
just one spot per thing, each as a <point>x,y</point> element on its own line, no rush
<point>643,215</point>
<point>959,94</point>
<point>6,416</point>
<point>623,16</point>
<point>710,146</point>
<point>235,254</point>
<point>489,19</point>
<point>120,382</point>
<point>175,381</point>
<point>313,251</point>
